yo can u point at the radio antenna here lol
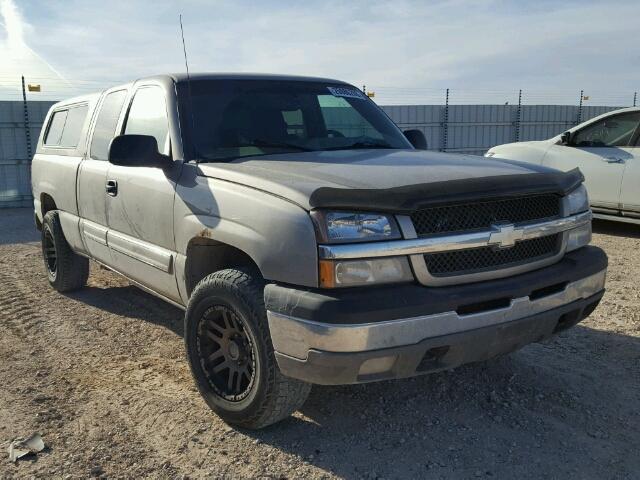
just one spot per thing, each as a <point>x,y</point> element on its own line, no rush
<point>186,65</point>
<point>184,49</point>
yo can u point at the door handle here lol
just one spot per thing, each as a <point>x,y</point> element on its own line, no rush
<point>112,188</point>
<point>613,159</point>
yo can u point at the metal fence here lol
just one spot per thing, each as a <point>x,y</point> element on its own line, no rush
<point>471,129</point>
<point>15,149</point>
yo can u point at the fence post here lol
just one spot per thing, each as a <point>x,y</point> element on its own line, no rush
<point>579,119</point>
<point>518,113</point>
<point>27,132</point>
<point>443,147</point>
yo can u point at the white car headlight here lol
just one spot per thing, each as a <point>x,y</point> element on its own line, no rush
<point>577,201</point>
<point>348,227</point>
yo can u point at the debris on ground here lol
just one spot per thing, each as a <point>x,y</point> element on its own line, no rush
<point>28,446</point>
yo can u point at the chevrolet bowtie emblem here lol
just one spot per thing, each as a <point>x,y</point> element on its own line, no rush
<point>505,236</point>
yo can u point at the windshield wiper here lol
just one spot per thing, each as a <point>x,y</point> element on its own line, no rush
<point>361,145</point>
<point>258,142</point>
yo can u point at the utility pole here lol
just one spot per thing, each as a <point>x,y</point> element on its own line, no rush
<point>445,123</point>
<point>580,108</point>
<point>27,132</point>
<point>518,114</point>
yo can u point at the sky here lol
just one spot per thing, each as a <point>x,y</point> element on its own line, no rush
<point>405,51</point>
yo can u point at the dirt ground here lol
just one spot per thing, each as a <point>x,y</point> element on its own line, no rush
<point>102,376</point>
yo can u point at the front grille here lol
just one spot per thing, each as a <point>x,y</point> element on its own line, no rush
<point>474,260</point>
<point>480,215</point>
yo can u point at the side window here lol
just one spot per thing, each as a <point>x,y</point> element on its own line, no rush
<point>73,126</point>
<point>65,127</point>
<point>56,126</point>
<point>148,116</point>
<point>106,123</point>
<point>343,121</point>
<point>614,131</point>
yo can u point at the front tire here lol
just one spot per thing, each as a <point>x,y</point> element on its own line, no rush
<point>231,355</point>
<point>66,270</point>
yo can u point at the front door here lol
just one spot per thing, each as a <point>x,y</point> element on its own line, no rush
<point>630,193</point>
<point>140,206</point>
<point>601,151</point>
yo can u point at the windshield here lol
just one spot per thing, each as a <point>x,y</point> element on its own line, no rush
<point>240,118</point>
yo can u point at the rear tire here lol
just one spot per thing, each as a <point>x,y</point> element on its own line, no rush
<point>66,270</point>
<point>231,355</point>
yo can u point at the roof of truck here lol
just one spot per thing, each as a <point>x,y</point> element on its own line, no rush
<point>86,98</point>
<point>182,77</point>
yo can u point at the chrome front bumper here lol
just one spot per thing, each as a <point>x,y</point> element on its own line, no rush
<point>295,337</point>
<point>402,343</point>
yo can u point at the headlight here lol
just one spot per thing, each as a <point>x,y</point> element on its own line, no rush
<point>347,227</point>
<point>578,237</point>
<point>353,273</point>
<point>577,201</point>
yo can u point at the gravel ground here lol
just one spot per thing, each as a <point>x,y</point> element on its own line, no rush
<point>101,374</point>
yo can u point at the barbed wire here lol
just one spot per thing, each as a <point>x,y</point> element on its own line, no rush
<point>58,88</point>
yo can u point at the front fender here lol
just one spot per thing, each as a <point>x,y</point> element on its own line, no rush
<point>277,234</point>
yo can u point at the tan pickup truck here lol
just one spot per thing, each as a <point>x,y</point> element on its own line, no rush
<point>308,239</point>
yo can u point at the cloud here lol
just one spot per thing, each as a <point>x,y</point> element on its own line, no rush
<point>19,59</point>
<point>407,50</point>
<point>12,23</point>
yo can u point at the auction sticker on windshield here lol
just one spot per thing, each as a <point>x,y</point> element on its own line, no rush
<point>346,92</point>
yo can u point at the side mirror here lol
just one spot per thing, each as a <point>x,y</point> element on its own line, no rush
<point>416,138</point>
<point>137,151</point>
<point>565,138</point>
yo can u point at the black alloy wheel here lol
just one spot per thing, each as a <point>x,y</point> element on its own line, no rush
<point>230,352</point>
<point>49,252</point>
<point>227,353</point>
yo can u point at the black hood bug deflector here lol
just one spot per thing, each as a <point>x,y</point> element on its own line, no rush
<point>408,198</point>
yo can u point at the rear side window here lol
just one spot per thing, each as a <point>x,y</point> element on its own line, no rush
<point>56,125</point>
<point>65,127</point>
<point>73,126</point>
<point>148,116</point>
<point>106,124</point>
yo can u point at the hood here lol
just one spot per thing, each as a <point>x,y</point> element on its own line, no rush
<point>532,152</point>
<point>356,178</point>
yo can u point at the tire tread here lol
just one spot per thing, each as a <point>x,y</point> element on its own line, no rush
<point>284,395</point>
<point>72,269</point>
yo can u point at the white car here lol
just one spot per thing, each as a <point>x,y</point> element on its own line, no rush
<point>607,151</point>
